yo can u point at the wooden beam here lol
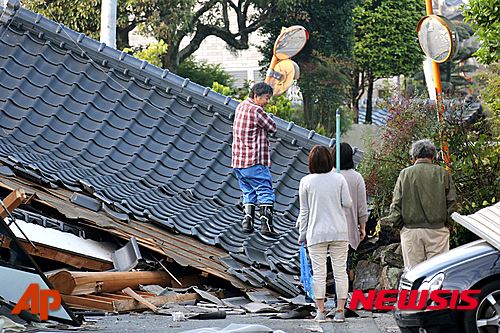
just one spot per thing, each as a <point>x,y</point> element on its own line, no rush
<point>88,303</point>
<point>71,259</point>
<point>12,201</point>
<point>133,305</point>
<point>82,283</point>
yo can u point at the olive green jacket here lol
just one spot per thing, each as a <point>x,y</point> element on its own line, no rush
<point>424,197</point>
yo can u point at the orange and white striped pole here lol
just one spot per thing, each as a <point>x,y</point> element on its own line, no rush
<point>439,101</point>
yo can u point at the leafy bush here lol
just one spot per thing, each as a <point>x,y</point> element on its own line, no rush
<point>203,73</point>
<point>387,154</point>
<point>222,89</point>
<point>153,53</point>
<point>474,153</point>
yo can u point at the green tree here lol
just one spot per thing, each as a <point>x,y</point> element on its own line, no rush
<point>169,20</point>
<point>324,62</point>
<point>152,53</point>
<point>84,16</point>
<point>81,16</point>
<point>484,15</point>
<point>385,44</point>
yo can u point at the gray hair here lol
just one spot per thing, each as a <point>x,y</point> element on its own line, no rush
<point>423,149</point>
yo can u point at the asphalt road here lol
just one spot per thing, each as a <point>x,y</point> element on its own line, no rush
<point>151,323</point>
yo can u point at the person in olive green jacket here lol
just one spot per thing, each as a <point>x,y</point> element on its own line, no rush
<point>423,199</point>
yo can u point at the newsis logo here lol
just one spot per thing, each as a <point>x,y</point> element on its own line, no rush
<point>414,300</point>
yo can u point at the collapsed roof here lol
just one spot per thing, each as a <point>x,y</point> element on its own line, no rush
<point>136,142</point>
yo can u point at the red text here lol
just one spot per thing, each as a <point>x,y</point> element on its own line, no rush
<point>414,300</point>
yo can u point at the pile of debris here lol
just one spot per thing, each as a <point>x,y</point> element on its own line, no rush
<point>93,274</point>
<point>381,265</point>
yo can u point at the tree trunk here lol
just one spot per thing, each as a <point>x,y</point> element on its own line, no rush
<point>354,93</point>
<point>308,111</point>
<point>122,40</point>
<point>369,97</point>
<point>358,89</point>
<point>171,61</point>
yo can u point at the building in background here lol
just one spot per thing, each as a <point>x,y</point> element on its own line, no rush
<point>242,65</point>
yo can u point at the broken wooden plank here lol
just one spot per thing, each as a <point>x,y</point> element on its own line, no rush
<point>82,283</point>
<point>133,305</point>
<point>140,299</point>
<point>122,303</point>
<point>80,302</point>
<point>12,201</point>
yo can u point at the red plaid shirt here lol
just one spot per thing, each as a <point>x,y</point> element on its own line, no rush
<point>250,128</point>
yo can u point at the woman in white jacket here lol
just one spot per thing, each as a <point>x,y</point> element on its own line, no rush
<point>323,226</point>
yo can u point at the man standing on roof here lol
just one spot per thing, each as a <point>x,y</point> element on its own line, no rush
<point>423,199</point>
<point>251,157</point>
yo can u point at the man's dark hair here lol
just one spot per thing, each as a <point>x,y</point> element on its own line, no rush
<point>260,89</point>
<point>320,160</point>
<point>346,154</point>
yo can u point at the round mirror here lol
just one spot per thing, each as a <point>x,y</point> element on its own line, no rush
<point>290,41</point>
<point>437,38</point>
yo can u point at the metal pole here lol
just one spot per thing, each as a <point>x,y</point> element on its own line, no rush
<point>274,60</point>
<point>108,22</point>
<point>439,101</point>
<point>273,63</point>
<point>337,139</point>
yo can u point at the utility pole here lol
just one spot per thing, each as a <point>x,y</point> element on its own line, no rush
<point>108,23</point>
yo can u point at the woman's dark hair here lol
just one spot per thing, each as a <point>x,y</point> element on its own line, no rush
<point>346,154</point>
<point>320,160</point>
<point>260,89</point>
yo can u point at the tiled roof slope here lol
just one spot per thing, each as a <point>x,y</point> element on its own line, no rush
<point>142,140</point>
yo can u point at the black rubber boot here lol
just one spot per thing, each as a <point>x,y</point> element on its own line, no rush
<point>266,220</point>
<point>249,211</point>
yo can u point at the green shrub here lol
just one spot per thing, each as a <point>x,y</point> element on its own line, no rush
<point>474,151</point>
<point>203,73</point>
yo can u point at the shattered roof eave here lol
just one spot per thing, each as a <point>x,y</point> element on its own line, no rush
<point>209,263</point>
